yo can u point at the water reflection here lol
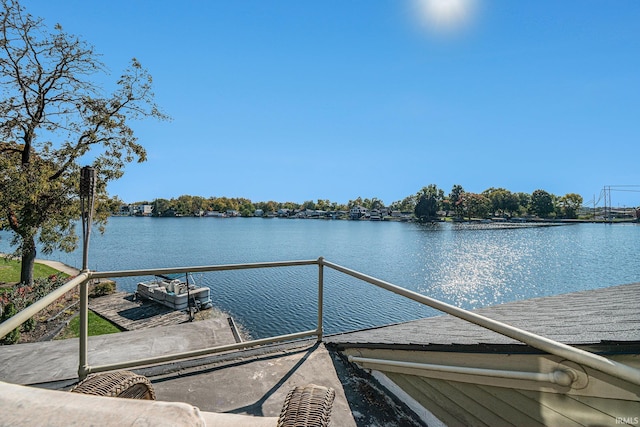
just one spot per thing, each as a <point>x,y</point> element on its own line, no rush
<point>469,268</point>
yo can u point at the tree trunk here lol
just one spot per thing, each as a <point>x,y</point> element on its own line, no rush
<point>28,260</point>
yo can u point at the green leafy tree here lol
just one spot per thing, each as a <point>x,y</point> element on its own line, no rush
<point>309,204</point>
<point>498,198</point>
<point>323,204</point>
<point>290,205</point>
<point>429,200</point>
<point>511,203</point>
<point>270,207</point>
<point>51,115</point>
<point>246,207</point>
<point>355,203</point>
<point>524,200</point>
<point>197,205</point>
<point>503,202</point>
<point>569,205</point>
<point>163,207</point>
<point>216,204</point>
<point>377,203</point>
<point>456,200</point>
<point>408,204</point>
<point>541,203</point>
<point>111,204</point>
<point>183,205</point>
<point>446,206</point>
<point>477,205</point>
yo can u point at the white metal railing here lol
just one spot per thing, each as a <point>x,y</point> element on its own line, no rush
<point>84,368</point>
<point>573,354</point>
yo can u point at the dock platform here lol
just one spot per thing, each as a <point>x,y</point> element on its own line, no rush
<point>131,313</point>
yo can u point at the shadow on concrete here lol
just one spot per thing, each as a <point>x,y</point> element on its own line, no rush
<point>254,408</point>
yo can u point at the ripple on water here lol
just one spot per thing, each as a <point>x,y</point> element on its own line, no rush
<point>467,268</point>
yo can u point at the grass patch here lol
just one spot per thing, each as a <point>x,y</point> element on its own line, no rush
<point>10,271</point>
<point>97,326</point>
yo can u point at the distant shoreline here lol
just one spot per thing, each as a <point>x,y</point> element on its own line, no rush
<point>530,221</point>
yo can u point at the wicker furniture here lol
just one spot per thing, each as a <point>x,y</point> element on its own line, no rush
<point>117,384</point>
<point>308,406</point>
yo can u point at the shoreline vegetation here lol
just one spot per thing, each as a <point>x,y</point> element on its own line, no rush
<point>427,205</point>
<point>494,221</point>
<point>56,321</point>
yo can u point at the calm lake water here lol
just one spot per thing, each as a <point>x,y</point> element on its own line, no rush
<point>467,267</point>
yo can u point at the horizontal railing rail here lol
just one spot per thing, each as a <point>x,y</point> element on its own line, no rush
<point>198,353</point>
<point>198,269</point>
<point>570,353</point>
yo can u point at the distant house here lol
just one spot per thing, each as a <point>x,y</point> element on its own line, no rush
<point>232,213</point>
<point>258,212</point>
<point>358,212</point>
<point>143,210</point>
<point>284,213</point>
<point>125,210</point>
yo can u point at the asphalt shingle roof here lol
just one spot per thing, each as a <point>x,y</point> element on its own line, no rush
<point>607,315</point>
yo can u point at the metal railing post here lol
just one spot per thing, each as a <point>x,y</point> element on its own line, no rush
<point>83,367</point>
<point>320,297</point>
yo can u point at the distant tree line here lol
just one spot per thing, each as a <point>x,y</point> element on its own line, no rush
<point>431,200</point>
<point>427,204</point>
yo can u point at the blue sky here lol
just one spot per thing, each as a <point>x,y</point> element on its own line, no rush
<point>296,100</point>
